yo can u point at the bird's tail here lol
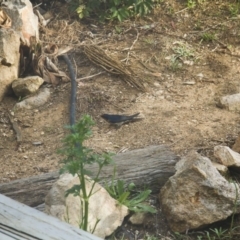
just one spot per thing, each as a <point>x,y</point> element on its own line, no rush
<point>134,115</point>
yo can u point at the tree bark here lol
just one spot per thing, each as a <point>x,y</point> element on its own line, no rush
<point>149,167</point>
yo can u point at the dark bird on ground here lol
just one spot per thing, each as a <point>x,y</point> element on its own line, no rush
<point>119,119</point>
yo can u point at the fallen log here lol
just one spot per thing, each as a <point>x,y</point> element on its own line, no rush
<point>18,221</point>
<point>148,167</point>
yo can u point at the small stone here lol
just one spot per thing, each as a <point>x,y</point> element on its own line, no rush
<point>230,102</point>
<point>138,218</point>
<point>221,168</point>
<point>158,93</point>
<point>37,143</point>
<point>200,75</point>
<point>189,83</point>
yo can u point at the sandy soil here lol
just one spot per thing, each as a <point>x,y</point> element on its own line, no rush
<point>179,106</point>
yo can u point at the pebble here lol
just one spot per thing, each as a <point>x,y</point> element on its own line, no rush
<point>37,143</point>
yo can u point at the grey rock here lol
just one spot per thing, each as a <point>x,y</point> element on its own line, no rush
<point>197,195</point>
<point>35,101</point>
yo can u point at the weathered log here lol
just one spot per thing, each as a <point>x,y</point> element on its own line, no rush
<point>150,167</point>
<point>18,221</point>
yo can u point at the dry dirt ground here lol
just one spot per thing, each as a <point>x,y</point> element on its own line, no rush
<point>187,59</point>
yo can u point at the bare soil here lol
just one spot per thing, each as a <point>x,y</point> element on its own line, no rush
<point>172,51</point>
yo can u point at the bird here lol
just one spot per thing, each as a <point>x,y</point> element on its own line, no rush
<point>119,119</point>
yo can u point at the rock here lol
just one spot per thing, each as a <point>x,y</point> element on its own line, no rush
<point>138,218</point>
<point>35,101</point>
<point>197,195</point>
<point>9,59</point>
<point>200,75</point>
<point>25,86</point>
<point>221,168</point>
<point>226,156</point>
<point>101,206</point>
<point>230,102</point>
<point>236,146</point>
<point>24,21</point>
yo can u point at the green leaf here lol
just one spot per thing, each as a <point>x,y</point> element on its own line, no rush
<point>142,208</point>
<point>142,196</point>
<point>131,186</point>
<point>120,187</point>
<point>123,197</point>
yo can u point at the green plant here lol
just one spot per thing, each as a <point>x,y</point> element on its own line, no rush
<point>113,9</point>
<point>219,232</point>
<point>149,237</point>
<point>175,64</point>
<point>124,195</point>
<point>183,51</point>
<point>77,157</point>
<point>191,4</point>
<point>208,37</point>
<point>236,204</point>
<point>234,9</point>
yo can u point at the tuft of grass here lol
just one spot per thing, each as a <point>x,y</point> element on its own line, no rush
<point>208,37</point>
<point>234,9</point>
<point>175,64</point>
<point>191,4</point>
<point>150,237</point>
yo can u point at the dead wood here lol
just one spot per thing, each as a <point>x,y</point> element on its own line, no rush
<point>150,167</point>
<point>99,57</point>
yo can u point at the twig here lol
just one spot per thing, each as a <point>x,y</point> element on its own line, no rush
<point>89,77</point>
<point>209,28</point>
<point>37,5</point>
<point>180,10</point>
<point>169,145</point>
<point>130,49</point>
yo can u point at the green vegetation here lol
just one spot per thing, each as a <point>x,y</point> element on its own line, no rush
<point>191,4</point>
<point>208,37</point>
<point>113,9</point>
<point>127,196</point>
<point>77,157</point>
<point>234,8</point>
<point>181,52</point>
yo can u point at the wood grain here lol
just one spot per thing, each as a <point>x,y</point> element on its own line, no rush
<point>18,221</point>
<point>149,167</point>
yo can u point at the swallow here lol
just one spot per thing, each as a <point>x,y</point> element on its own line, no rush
<point>119,119</point>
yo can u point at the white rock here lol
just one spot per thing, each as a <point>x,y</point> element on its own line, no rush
<point>200,75</point>
<point>230,102</point>
<point>9,59</point>
<point>226,156</point>
<point>221,168</point>
<point>24,21</point>
<point>101,206</point>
